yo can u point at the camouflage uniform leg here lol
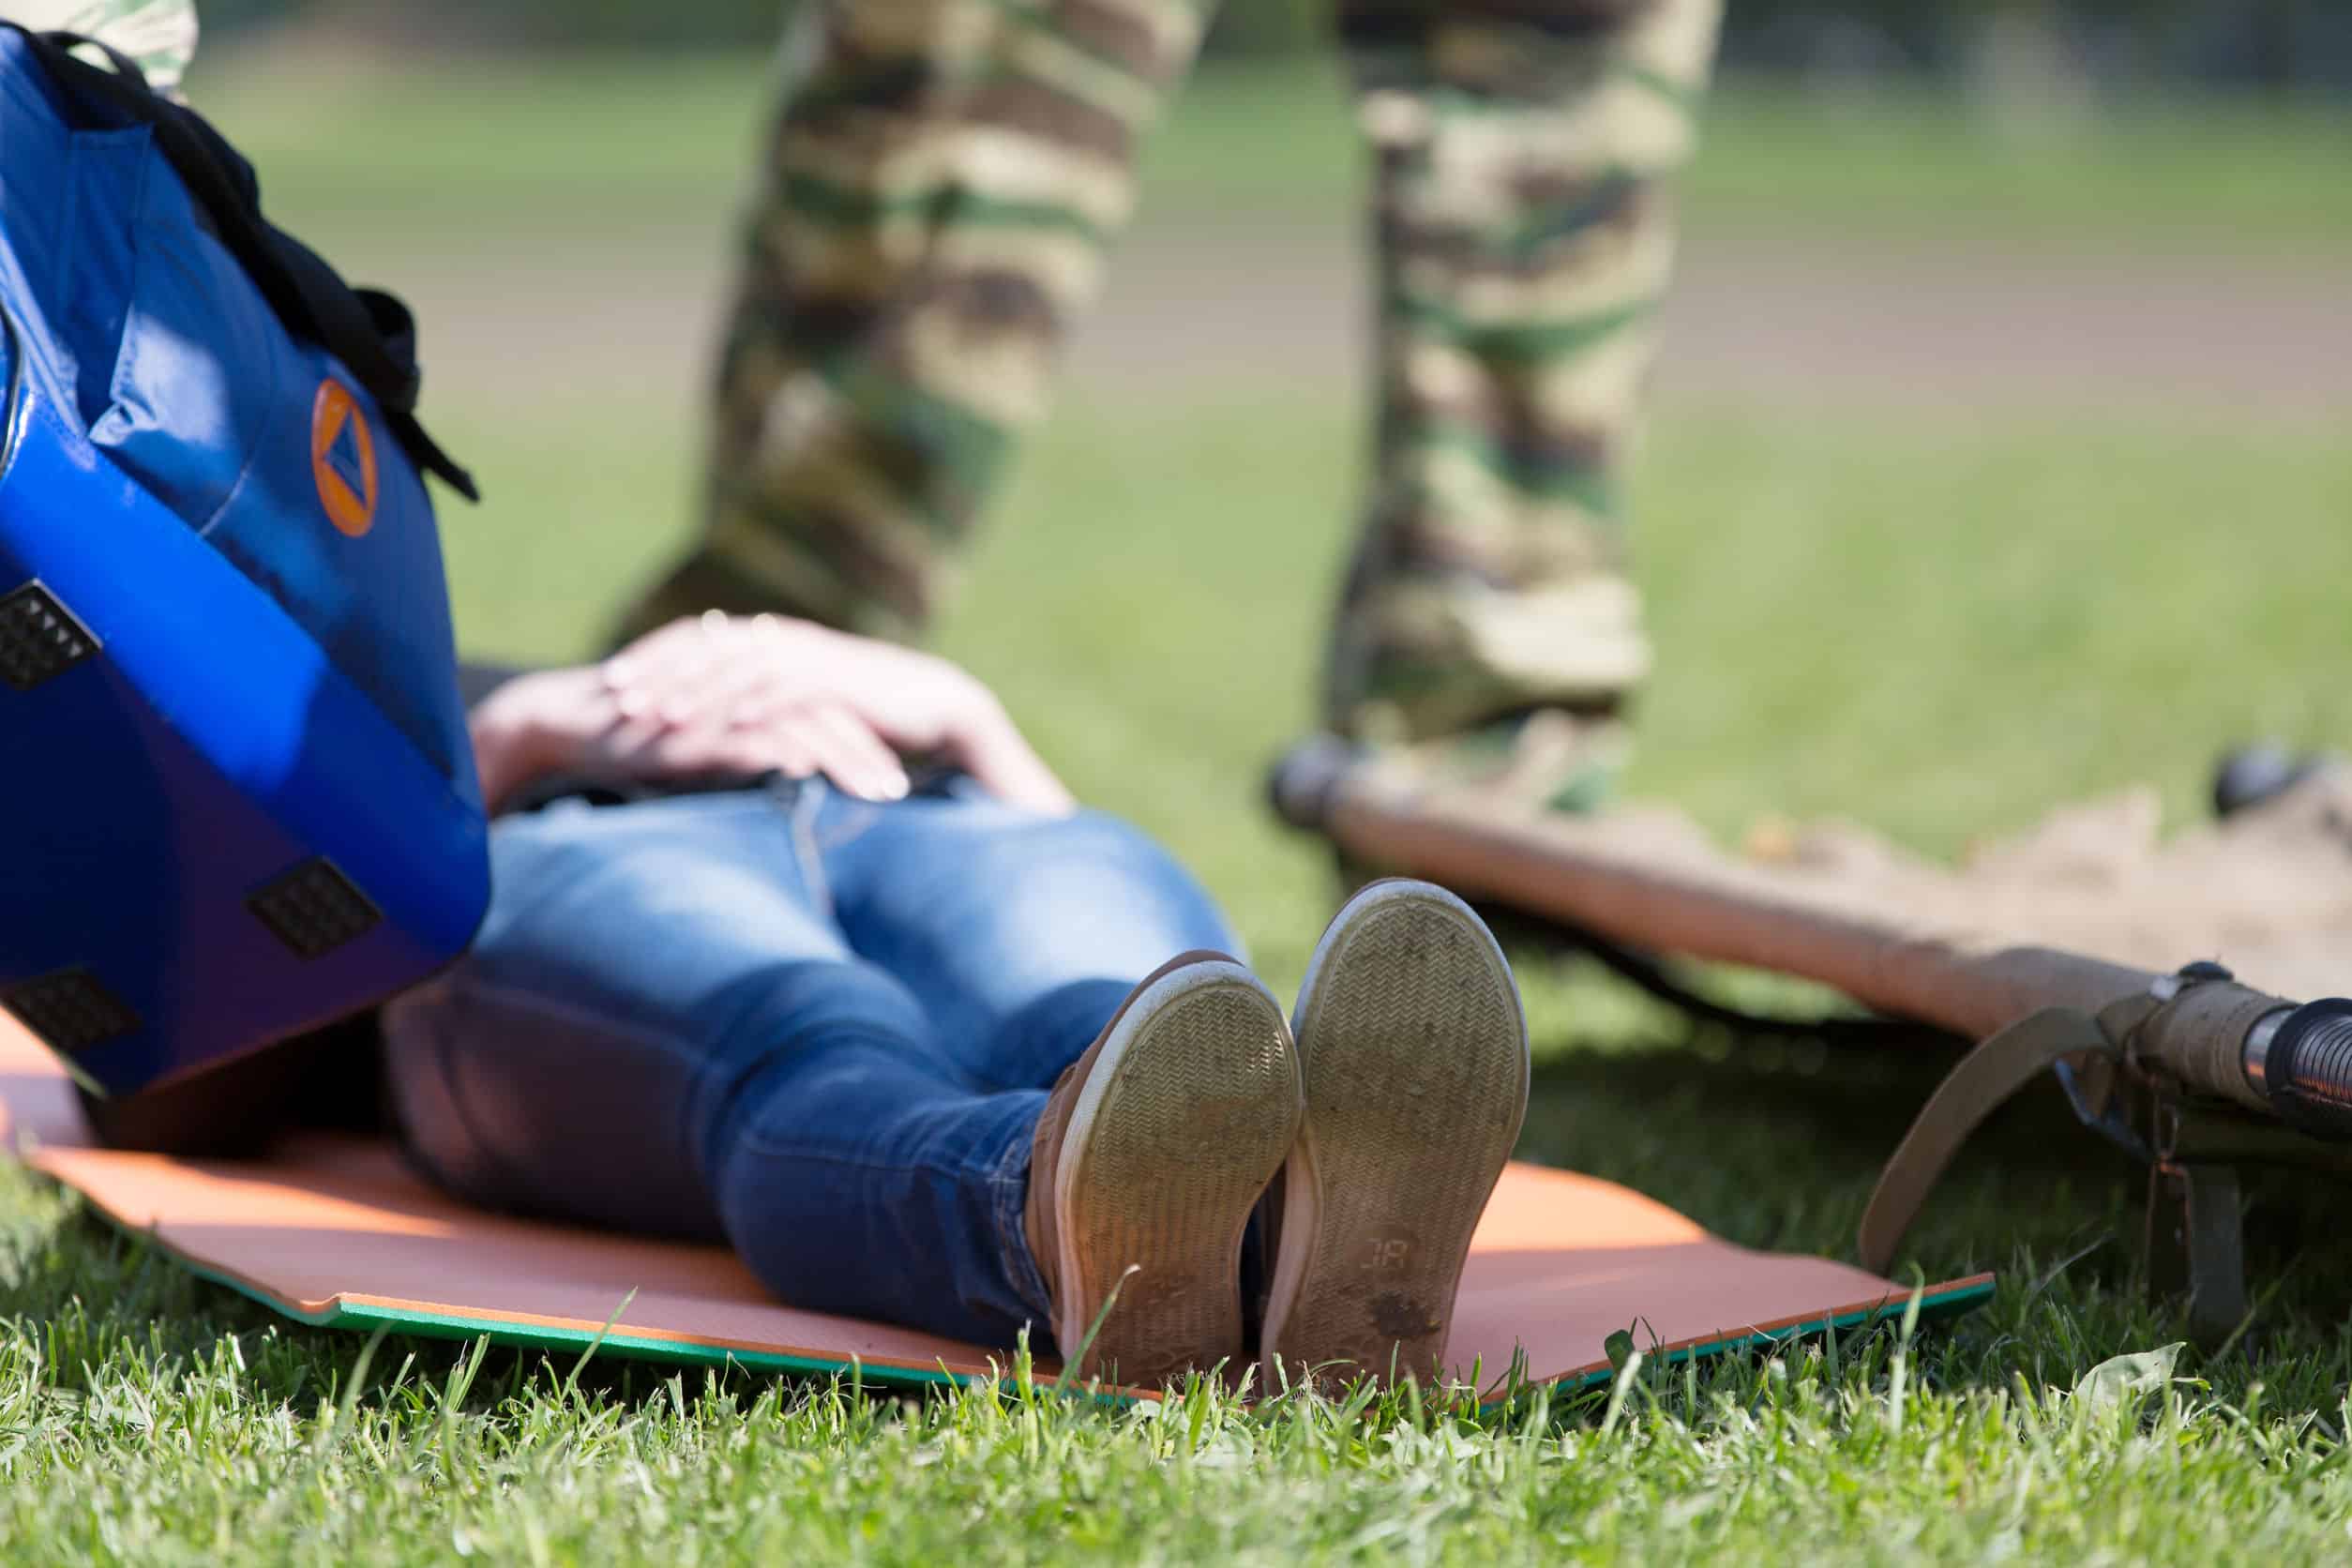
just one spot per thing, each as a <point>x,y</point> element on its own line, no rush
<point>941,181</point>
<point>1524,232</point>
<point>159,34</point>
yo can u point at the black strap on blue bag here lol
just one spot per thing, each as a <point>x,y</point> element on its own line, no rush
<point>371,332</point>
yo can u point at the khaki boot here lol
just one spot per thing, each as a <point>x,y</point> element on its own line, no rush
<point>1544,760</point>
<point>1517,768</point>
<point>1147,1160</point>
<point>1414,1046</point>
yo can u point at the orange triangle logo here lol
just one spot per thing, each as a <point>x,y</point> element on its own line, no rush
<point>343,459</point>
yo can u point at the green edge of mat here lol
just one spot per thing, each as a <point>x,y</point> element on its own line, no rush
<point>365,1318</point>
<point>1934,1305</point>
<point>1938,1305</point>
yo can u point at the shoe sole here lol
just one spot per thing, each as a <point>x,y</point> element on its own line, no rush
<point>1191,1106</point>
<point>1414,1046</point>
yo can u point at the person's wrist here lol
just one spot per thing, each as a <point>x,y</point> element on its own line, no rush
<point>512,741</point>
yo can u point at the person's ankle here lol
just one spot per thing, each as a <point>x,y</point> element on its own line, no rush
<point>1038,1230</point>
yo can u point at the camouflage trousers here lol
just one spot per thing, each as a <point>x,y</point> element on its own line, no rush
<point>941,181</point>
<point>159,34</point>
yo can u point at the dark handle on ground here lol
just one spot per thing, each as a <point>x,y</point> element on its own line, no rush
<point>2305,1068</point>
<point>2255,775</point>
<point>1300,783</point>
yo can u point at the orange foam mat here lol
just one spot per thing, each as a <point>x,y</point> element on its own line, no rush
<point>337,1231</point>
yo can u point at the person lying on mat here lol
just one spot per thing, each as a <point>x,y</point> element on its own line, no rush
<point>937,1047</point>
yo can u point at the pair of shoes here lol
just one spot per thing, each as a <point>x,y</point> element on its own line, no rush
<point>1387,1106</point>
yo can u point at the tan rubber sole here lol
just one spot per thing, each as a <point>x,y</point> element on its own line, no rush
<point>1414,1046</point>
<point>1187,1113</point>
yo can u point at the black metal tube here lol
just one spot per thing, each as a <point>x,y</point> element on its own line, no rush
<point>2303,1066</point>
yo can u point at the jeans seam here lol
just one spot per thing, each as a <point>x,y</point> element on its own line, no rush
<point>788,1152</point>
<point>857,821</point>
<point>531,1001</point>
<point>505,1179</point>
<point>1007,1185</point>
<point>526,1000</point>
<point>486,1161</point>
<point>802,819</point>
<point>1012,1228</point>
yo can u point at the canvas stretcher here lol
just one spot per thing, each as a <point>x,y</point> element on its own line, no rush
<point>2085,949</point>
<point>337,1231</point>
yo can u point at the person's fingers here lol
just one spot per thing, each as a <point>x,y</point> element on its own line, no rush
<point>991,749</point>
<point>797,741</point>
<point>661,656</point>
<point>645,688</point>
<point>806,697</point>
<point>762,699</point>
<point>718,691</point>
<point>657,751</point>
<point>665,645</point>
<point>677,678</point>
<point>622,677</point>
<point>641,746</point>
<point>853,756</point>
<point>631,699</point>
<point>784,749</point>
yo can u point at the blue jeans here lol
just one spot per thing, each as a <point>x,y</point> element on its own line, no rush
<point>817,1027</point>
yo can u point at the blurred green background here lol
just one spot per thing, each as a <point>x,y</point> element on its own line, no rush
<point>1998,454</point>
<point>2274,43</point>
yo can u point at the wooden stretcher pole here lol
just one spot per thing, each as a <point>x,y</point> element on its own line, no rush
<point>1672,894</point>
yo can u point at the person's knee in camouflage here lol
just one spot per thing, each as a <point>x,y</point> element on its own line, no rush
<point>156,36</point>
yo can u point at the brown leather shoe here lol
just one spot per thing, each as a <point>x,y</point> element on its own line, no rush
<point>1414,1046</point>
<point>1148,1157</point>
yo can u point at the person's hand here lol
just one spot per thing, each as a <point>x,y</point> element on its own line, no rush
<point>728,695</point>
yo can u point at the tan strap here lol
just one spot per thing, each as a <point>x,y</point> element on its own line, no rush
<point>1983,1082</point>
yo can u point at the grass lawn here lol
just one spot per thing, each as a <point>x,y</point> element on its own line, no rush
<point>1936,625</point>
